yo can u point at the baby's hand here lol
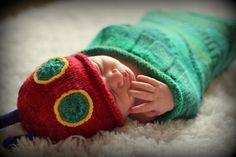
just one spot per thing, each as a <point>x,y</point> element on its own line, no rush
<point>156,97</point>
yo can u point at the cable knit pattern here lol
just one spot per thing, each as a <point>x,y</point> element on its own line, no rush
<point>185,50</point>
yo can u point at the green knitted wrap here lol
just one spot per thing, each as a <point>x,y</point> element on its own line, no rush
<point>185,50</point>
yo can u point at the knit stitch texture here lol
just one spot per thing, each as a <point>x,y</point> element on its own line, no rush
<point>185,50</point>
<point>66,96</point>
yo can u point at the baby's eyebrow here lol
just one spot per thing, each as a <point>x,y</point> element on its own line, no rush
<point>98,67</point>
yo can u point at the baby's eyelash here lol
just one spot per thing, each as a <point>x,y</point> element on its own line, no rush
<point>113,94</point>
<point>99,67</point>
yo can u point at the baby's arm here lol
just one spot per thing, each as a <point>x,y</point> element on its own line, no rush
<point>156,98</point>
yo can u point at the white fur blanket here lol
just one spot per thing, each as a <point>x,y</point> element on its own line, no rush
<point>65,27</point>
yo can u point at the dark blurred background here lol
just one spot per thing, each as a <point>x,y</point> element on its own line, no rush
<point>12,7</point>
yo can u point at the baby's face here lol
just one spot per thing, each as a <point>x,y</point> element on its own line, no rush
<point>117,78</point>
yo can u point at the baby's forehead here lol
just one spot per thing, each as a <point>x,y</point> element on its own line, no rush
<point>100,57</point>
<point>95,58</point>
<point>104,58</point>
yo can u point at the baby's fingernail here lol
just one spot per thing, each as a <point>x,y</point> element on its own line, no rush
<point>130,110</point>
<point>138,76</point>
<point>129,93</point>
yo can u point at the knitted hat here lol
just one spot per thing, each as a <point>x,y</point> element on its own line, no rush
<point>66,96</point>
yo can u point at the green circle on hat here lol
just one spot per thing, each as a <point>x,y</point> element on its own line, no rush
<point>50,70</point>
<point>73,108</point>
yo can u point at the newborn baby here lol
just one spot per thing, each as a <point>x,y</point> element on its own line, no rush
<point>141,97</point>
<point>153,71</point>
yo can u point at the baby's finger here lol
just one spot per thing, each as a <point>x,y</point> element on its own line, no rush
<point>149,80</point>
<point>143,95</point>
<point>143,86</point>
<point>145,107</point>
<point>151,114</point>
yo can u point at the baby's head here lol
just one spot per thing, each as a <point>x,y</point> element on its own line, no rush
<point>76,95</point>
<point>117,77</point>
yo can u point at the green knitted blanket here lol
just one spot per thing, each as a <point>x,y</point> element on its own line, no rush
<point>185,50</point>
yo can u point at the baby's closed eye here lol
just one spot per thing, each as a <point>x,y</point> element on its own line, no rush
<point>97,66</point>
<point>113,94</point>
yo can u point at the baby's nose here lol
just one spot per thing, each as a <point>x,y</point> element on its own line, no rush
<point>116,79</point>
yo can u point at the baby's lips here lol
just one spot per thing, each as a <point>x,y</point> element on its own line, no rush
<point>125,74</point>
<point>130,77</point>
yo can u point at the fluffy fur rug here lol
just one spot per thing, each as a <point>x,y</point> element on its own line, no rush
<point>65,27</point>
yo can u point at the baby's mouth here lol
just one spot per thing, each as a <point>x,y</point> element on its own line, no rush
<point>129,77</point>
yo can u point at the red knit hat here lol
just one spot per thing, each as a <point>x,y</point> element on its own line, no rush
<point>66,96</point>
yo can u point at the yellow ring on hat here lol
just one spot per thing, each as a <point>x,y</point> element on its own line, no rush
<point>73,124</point>
<point>62,71</point>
